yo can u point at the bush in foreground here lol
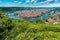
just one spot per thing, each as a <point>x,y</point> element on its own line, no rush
<point>25,30</point>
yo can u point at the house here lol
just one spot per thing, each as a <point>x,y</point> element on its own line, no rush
<point>55,18</point>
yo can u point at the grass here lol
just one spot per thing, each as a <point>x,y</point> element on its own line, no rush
<point>35,31</point>
<point>27,30</point>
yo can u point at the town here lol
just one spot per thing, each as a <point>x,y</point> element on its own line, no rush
<point>31,13</point>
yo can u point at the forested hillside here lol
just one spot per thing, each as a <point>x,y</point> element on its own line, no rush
<point>12,29</point>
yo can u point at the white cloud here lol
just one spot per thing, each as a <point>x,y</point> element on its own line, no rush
<point>56,1</point>
<point>45,2</point>
<point>34,1</point>
<point>49,0</point>
<point>19,2</point>
<point>15,1</point>
<point>51,5</point>
<point>27,0</point>
<point>41,4</point>
<point>31,1</point>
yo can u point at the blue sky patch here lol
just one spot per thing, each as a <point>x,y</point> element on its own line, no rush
<point>29,3</point>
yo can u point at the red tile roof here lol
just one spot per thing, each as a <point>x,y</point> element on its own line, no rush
<point>31,13</point>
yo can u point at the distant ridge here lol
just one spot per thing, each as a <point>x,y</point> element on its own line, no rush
<point>25,8</point>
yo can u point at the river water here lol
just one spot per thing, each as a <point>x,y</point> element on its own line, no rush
<point>43,16</point>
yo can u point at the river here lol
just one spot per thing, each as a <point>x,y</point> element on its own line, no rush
<point>43,16</point>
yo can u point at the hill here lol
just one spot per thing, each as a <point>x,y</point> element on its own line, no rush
<point>12,29</point>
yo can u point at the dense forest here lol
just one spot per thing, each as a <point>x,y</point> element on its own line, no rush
<point>25,8</point>
<point>12,29</point>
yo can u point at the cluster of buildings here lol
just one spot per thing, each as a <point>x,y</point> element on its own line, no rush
<point>31,13</point>
<point>54,18</point>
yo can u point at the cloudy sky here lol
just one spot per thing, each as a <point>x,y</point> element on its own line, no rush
<point>29,3</point>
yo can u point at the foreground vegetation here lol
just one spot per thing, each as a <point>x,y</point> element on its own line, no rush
<point>11,29</point>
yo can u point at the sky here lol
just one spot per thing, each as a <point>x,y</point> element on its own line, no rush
<point>29,3</point>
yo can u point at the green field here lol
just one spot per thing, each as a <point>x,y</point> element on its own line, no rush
<point>11,29</point>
